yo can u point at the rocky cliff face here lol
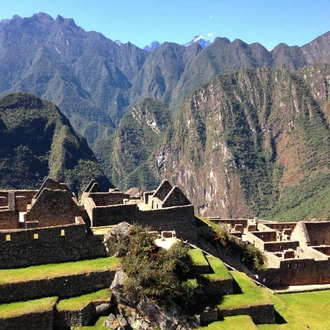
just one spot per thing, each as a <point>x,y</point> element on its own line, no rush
<point>243,139</point>
<point>95,80</point>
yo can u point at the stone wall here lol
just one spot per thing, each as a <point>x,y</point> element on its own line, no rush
<point>299,272</point>
<point>300,234</point>
<point>319,232</point>
<point>43,320</point>
<point>179,218</point>
<point>108,198</point>
<point>259,314</point>
<point>175,198</point>
<point>62,286</point>
<point>266,236</point>
<point>53,208</point>
<point>8,219</point>
<point>21,248</point>
<point>323,249</point>
<point>218,287</point>
<point>280,246</point>
<point>21,203</point>
<point>280,226</point>
<point>81,317</point>
<point>112,215</point>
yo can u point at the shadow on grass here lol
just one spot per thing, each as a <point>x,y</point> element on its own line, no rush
<point>279,318</point>
<point>236,288</point>
<point>203,301</point>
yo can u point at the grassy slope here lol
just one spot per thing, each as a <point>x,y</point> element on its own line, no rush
<point>308,310</point>
<point>77,303</point>
<point>26,307</point>
<point>55,270</point>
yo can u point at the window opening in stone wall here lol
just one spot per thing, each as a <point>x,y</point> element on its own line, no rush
<point>297,265</point>
<point>289,265</point>
<point>8,238</point>
<point>304,265</point>
<point>36,236</point>
<point>62,232</point>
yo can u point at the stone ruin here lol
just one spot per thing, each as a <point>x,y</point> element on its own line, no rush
<point>52,220</point>
<point>297,253</point>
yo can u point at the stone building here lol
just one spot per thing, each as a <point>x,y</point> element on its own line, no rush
<point>48,225</point>
<point>297,253</point>
<point>166,207</point>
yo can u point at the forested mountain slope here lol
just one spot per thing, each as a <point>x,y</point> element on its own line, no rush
<point>95,81</point>
<point>251,143</point>
<point>37,141</point>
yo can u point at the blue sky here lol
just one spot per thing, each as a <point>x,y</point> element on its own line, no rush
<point>295,22</point>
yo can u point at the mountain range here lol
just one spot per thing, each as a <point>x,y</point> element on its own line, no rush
<point>243,130</point>
<point>95,80</point>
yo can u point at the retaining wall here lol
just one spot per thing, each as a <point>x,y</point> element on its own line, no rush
<point>21,248</point>
<point>62,286</point>
<point>42,320</point>
<point>178,218</point>
<point>259,314</point>
<point>81,317</point>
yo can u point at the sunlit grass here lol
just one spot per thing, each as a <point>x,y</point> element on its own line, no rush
<point>306,310</point>
<point>220,270</point>
<point>34,273</point>
<point>238,322</point>
<point>26,307</point>
<point>77,303</point>
<point>252,294</point>
<point>198,257</point>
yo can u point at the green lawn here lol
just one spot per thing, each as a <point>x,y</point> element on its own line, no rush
<point>77,303</point>
<point>232,323</point>
<point>198,257</point>
<point>299,311</point>
<point>251,295</point>
<point>54,270</point>
<point>25,307</point>
<point>220,270</point>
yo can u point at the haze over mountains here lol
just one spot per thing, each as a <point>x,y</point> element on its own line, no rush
<point>253,140</point>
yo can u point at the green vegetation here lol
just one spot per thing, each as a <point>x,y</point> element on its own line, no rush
<point>77,303</point>
<point>251,295</point>
<point>306,310</point>
<point>307,200</point>
<point>157,274</point>
<point>197,257</point>
<point>37,141</point>
<point>250,256</point>
<point>220,270</point>
<point>54,270</point>
<point>127,156</point>
<point>238,322</point>
<point>25,307</point>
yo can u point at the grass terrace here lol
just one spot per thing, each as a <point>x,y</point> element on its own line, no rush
<point>26,307</point>
<point>46,271</point>
<point>304,310</point>
<point>238,322</point>
<point>198,257</point>
<point>78,303</point>
<point>220,270</point>
<point>252,294</point>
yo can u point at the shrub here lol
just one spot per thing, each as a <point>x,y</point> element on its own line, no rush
<point>157,274</point>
